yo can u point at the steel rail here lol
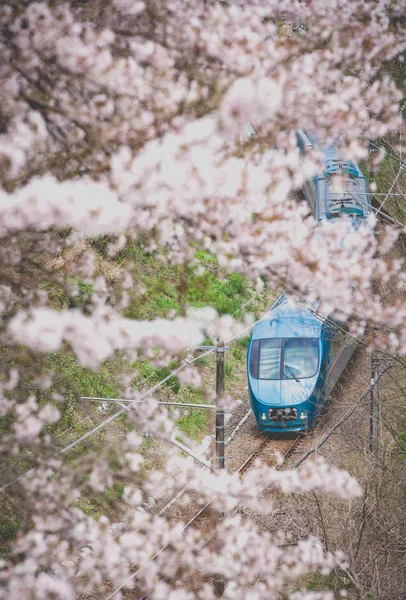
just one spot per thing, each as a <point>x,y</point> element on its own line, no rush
<point>247,463</point>
<point>250,460</point>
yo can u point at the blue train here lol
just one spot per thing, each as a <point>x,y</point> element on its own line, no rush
<point>341,189</point>
<point>288,362</point>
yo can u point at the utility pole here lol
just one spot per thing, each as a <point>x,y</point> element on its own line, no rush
<point>374,418</point>
<point>219,461</point>
<point>220,350</point>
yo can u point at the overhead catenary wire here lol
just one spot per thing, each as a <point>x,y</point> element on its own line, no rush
<point>127,407</point>
<point>344,418</point>
<point>325,438</point>
<point>164,380</point>
<point>298,463</point>
<point>138,384</point>
<point>129,579</point>
<point>378,148</point>
<point>100,425</point>
<point>398,194</point>
<point>25,456</point>
<point>401,167</point>
<point>192,520</point>
<point>94,413</point>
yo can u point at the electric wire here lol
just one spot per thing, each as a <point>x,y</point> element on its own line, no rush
<point>126,408</point>
<point>137,386</point>
<point>22,458</point>
<point>154,388</point>
<point>401,167</point>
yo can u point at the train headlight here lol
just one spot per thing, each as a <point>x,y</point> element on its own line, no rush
<point>303,416</point>
<point>263,417</point>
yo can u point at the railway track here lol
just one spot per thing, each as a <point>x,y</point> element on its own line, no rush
<point>202,520</point>
<point>284,447</point>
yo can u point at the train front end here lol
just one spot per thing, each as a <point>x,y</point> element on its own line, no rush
<point>284,361</point>
<point>340,189</point>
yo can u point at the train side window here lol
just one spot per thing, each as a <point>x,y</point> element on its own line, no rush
<point>254,359</point>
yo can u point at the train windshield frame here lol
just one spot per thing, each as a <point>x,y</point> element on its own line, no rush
<point>276,359</point>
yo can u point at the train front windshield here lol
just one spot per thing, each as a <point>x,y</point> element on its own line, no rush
<point>292,358</point>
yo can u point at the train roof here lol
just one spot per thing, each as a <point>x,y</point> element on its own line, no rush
<point>287,320</point>
<point>341,186</point>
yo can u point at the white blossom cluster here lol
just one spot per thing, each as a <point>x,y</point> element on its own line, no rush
<point>124,119</point>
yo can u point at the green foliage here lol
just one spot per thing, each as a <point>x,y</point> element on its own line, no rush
<point>206,257</point>
<point>11,522</point>
<point>93,505</point>
<point>243,341</point>
<point>316,582</point>
<point>8,529</point>
<point>79,380</point>
<point>84,294</point>
<point>115,493</point>
<point>228,368</point>
<point>239,348</point>
<point>169,287</point>
<point>224,294</point>
<point>56,294</point>
<point>62,298</point>
<point>193,421</point>
<point>149,373</point>
<point>73,380</point>
<point>204,361</point>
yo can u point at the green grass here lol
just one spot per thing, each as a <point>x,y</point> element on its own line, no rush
<point>316,582</point>
<point>166,293</point>
<point>170,287</point>
<point>385,177</point>
<point>74,380</point>
<point>11,522</point>
<point>59,298</point>
<point>388,168</point>
<point>194,421</point>
<point>239,348</point>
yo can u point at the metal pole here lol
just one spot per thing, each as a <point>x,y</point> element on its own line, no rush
<point>219,582</point>
<point>120,400</point>
<point>374,419</point>
<point>219,458</point>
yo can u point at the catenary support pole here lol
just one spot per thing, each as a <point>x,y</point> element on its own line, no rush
<point>220,441</point>
<point>374,419</point>
<point>219,463</point>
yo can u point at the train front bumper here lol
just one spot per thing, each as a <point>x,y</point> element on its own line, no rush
<point>298,417</point>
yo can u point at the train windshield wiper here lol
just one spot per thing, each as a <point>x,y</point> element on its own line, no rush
<point>292,373</point>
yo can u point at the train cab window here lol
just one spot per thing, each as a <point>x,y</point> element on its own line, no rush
<point>270,359</point>
<point>292,358</point>
<point>301,358</point>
